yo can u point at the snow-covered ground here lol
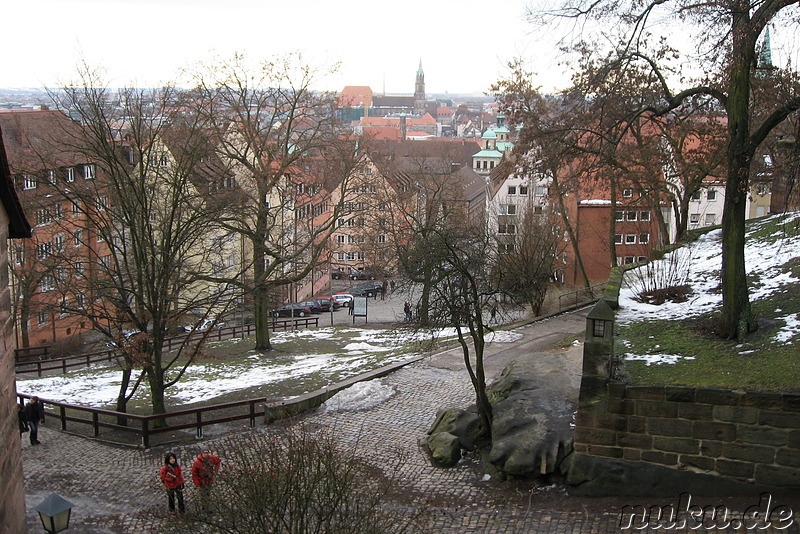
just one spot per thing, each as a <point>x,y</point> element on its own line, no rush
<point>762,259</point>
<point>361,348</point>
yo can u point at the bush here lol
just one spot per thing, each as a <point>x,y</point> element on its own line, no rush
<point>298,482</point>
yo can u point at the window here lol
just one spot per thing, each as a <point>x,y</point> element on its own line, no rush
<point>42,216</point>
<point>77,238</point>
<point>102,203</point>
<point>382,206</point>
<point>340,256</point>
<point>711,219</point>
<point>696,195</point>
<point>64,308</point>
<point>58,211</point>
<point>360,256</point>
<point>617,239</point>
<point>644,239</point>
<point>76,208</point>
<point>88,172</point>
<point>630,216</point>
<point>629,260</point>
<point>644,215</point>
<point>505,248</point>
<point>43,250</point>
<point>711,194</point>
<point>641,258</point>
<point>382,238</point>
<point>48,283</point>
<point>42,317</point>
<point>630,239</point>
<point>105,261</point>
<point>51,176</point>
<point>59,241</point>
<point>507,229</point>
<point>69,174</point>
<point>164,160</point>
<point>523,190</point>
<point>627,193</point>
<point>507,209</point>
<point>61,274</point>
<point>762,189</point>
<point>340,239</point>
<point>619,216</point>
<point>79,266</point>
<point>541,191</point>
<point>29,182</point>
<point>351,239</point>
<point>512,189</point>
<point>598,328</point>
<point>694,218</point>
<point>340,223</point>
<point>19,257</point>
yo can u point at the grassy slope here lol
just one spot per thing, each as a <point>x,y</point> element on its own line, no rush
<point>761,363</point>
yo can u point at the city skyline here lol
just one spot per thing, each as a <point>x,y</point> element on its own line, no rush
<point>464,46</point>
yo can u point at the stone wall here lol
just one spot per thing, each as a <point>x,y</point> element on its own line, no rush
<point>12,491</point>
<point>639,440</point>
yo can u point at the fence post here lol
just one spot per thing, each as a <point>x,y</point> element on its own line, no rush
<point>62,411</point>
<point>145,434</point>
<point>39,369</point>
<point>95,426</point>
<point>64,365</point>
<point>252,414</point>
<point>199,424</point>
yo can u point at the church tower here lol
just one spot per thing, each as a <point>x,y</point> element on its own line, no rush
<point>419,91</point>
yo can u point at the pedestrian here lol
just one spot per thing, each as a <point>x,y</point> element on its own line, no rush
<point>494,314</point>
<point>173,481</point>
<point>407,311</point>
<point>34,412</point>
<point>391,285</point>
<point>204,471</point>
<point>23,420</point>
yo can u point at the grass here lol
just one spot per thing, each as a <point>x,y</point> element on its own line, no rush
<point>761,363</point>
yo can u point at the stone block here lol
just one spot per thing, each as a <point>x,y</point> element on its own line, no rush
<point>595,436</point>
<point>711,448</point>
<point>607,452</point>
<point>736,414</point>
<point>696,412</point>
<point>637,424</point>
<point>586,419</point>
<point>791,402</point>
<point>700,462</point>
<point>749,452</point>
<point>613,422</point>
<point>777,476</point>
<point>763,401</point>
<point>794,439</point>
<point>632,455</point>
<point>716,396</point>
<point>680,394</point>
<point>658,457</point>
<point>617,391</point>
<point>780,419</point>
<point>765,435</point>
<point>715,431</point>
<point>734,469</point>
<point>669,427</point>
<point>646,392</point>
<point>787,457</point>
<point>648,408</point>
<point>638,441</point>
<point>621,406</point>
<point>683,445</point>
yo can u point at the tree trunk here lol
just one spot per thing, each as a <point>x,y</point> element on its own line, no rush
<point>261,301</point>
<point>122,397</point>
<point>737,319</point>
<point>570,232</point>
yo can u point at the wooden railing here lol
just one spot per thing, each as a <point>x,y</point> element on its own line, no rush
<point>38,364</point>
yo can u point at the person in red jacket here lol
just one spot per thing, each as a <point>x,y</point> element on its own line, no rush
<point>173,481</point>
<point>204,470</point>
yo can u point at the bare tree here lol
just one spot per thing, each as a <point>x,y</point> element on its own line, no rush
<point>730,29</point>
<point>145,203</point>
<point>283,142</point>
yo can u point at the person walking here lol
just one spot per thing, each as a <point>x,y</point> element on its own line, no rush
<point>34,412</point>
<point>204,471</point>
<point>23,420</point>
<point>494,314</point>
<point>173,481</point>
<point>407,311</point>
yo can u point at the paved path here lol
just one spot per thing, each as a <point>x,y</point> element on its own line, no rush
<point>114,487</point>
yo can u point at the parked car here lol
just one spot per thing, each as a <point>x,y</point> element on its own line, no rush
<point>297,309</point>
<point>337,274</point>
<point>327,304</point>
<point>366,289</point>
<point>312,305</point>
<point>368,274</point>
<point>344,299</point>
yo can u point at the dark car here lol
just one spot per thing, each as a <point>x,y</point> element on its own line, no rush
<point>369,289</point>
<point>368,274</point>
<point>327,304</point>
<point>292,310</point>
<point>312,305</point>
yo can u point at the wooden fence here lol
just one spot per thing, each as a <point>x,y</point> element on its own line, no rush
<point>37,362</point>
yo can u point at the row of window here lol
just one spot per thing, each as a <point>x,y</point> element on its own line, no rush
<point>627,260</point>
<point>43,317</point>
<point>710,219</point>
<point>68,174</point>
<point>631,239</point>
<point>632,216</point>
<point>711,195</point>
<point>522,190</point>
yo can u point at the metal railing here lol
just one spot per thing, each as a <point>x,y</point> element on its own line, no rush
<point>580,296</point>
<point>40,364</point>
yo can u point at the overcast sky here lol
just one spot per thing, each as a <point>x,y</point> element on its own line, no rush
<point>464,45</point>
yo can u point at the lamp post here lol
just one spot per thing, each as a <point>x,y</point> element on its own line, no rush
<point>54,513</point>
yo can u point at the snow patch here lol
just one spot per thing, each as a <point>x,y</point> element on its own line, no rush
<point>360,396</point>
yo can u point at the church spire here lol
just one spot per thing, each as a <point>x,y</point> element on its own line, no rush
<point>419,91</point>
<point>765,55</point>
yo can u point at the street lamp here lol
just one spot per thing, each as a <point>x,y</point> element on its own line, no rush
<point>54,513</point>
